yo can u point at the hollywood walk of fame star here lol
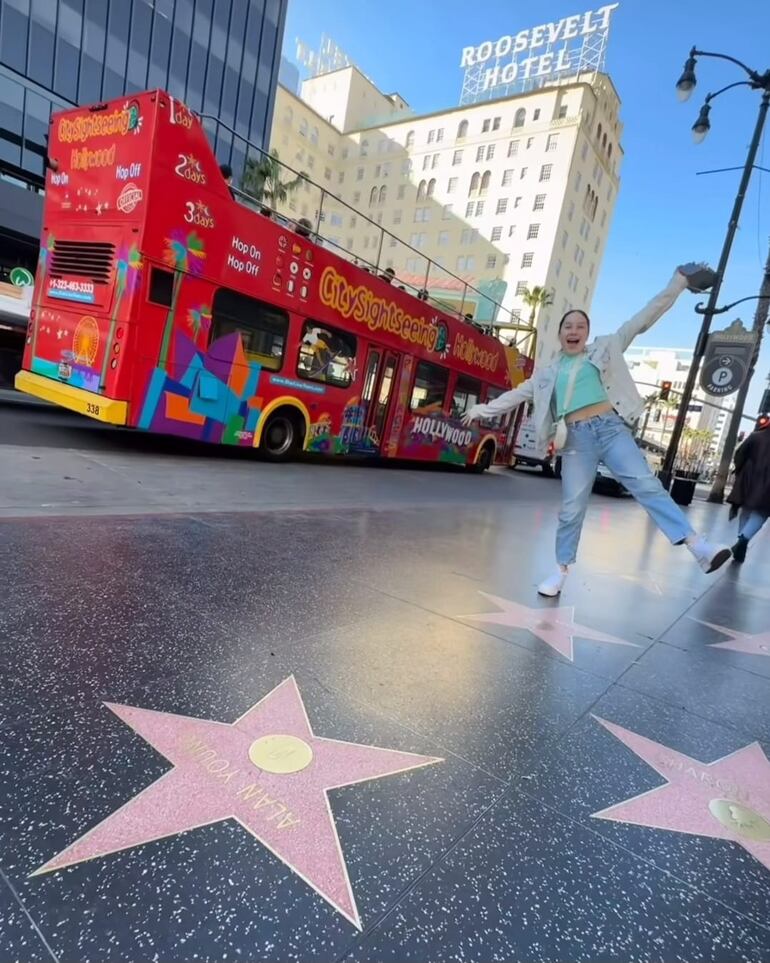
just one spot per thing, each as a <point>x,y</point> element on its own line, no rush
<point>725,799</point>
<point>268,771</point>
<point>757,644</point>
<point>556,626</point>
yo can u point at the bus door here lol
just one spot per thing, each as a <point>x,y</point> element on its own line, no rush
<point>378,391</point>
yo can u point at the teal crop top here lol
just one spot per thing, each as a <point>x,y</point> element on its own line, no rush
<point>588,389</point>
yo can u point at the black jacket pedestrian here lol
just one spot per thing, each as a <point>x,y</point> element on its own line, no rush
<point>752,473</point>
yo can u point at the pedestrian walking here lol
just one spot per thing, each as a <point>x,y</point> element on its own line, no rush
<point>584,404</point>
<point>750,497</point>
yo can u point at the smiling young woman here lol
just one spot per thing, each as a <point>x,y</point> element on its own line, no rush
<point>584,404</point>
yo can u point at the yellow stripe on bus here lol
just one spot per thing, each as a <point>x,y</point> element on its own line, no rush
<point>76,399</point>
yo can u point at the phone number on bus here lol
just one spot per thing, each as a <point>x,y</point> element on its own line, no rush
<point>71,290</point>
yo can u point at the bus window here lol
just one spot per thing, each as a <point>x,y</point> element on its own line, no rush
<point>501,421</point>
<point>466,394</point>
<point>161,287</point>
<point>262,327</point>
<point>327,355</point>
<point>372,366</point>
<point>430,384</point>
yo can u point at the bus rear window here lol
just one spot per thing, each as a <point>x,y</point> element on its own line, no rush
<point>430,384</point>
<point>262,327</point>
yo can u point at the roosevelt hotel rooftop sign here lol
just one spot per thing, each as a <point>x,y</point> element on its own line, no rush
<point>536,57</point>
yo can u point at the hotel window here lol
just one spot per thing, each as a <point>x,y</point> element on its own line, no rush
<point>462,129</point>
<point>562,112</point>
<point>491,261</point>
<point>364,148</point>
<point>507,177</point>
<point>486,177</point>
<point>470,207</point>
<point>539,204</point>
<point>410,139</point>
<point>536,115</point>
<point>439,135</point>
<point>527,259</point>
<point>497,233</point>
<point>447,212</point>
<point>485,126</point>
<point>431,136</point>
<point>520,117</point>
<point>480,153</point>
<point>457,158</point>
<point>545,172</point>
<point>552,143</point>
<point>521,288</point>
<point>434,164</point>
<point>452,185</point>
<point>533,231</point>
<point>530,142</point>
<point>522,173</point>
<point>479,208</point>
<point>502,206</point>
<point>517,202</point>
<point>496,123</point>
<point>513,148</point>
<point>490,151</point>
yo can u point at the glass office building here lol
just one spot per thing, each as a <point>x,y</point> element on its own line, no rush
<point>220,56</point>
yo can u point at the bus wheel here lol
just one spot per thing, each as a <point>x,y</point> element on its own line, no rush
<point>281,438</point>
<point>485,460</point>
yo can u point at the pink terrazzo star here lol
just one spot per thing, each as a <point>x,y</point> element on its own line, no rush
<point>758,644</point>
<point>555,626</point>
<point>282,801</point>
<point>726,799</point>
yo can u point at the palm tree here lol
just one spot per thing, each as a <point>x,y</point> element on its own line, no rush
<point>535,298</point>
<point>262,179</point>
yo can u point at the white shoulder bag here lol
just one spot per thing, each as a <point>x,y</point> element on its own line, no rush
<point>561,429</point>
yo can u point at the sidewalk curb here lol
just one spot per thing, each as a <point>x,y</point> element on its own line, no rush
<point>9,396</point>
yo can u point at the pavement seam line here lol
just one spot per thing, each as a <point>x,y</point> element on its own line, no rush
<point>29,916</point>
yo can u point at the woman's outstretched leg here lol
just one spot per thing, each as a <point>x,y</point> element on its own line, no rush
<point>622,456</point>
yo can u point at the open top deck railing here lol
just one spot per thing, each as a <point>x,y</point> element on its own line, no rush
<point>276,183</point>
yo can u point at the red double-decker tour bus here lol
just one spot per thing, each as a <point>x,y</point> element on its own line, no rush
<point>166,301</point>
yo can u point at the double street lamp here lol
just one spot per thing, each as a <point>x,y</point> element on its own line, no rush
<point>685,87</point>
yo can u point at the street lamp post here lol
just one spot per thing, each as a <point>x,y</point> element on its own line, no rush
<point>717,492</point>
<point>685,86</point>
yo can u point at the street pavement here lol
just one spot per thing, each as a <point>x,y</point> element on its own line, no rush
<point>318,712</point>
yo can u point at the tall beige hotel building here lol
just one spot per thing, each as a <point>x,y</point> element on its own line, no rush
<point>513,188</point>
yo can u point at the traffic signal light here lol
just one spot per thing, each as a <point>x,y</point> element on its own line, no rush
<point>665,387</point>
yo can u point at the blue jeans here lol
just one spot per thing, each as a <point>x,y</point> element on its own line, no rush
<point>750,521</point>
<point>606,438</point>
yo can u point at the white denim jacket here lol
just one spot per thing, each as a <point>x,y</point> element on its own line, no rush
<point>606,353</point>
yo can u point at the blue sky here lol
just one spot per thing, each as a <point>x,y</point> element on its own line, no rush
<point>665,212</point>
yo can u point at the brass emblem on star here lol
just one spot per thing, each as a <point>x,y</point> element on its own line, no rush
<point>280,754</point>
<point>741,820</point>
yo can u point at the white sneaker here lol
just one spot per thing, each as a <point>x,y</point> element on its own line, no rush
<point>552,586</point>
<point>710,557</point>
